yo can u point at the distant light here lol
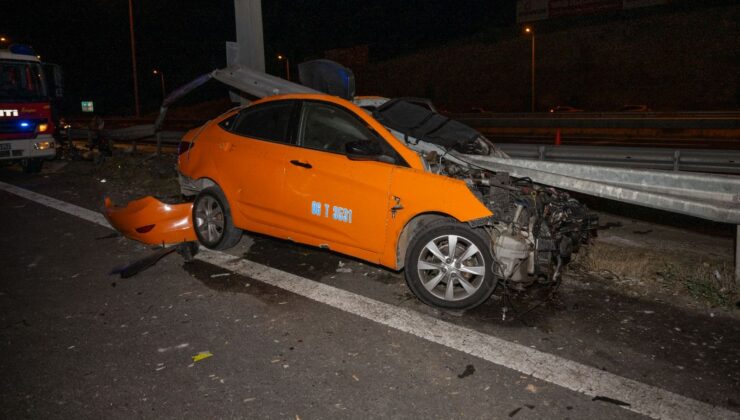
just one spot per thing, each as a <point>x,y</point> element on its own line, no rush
<point>280,57</point>
<point>155,71</point>
<point>3,39</point>
<point>24,124</point>
<point>88,106</point>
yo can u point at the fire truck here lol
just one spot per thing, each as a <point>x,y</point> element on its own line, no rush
<point>28,89</point>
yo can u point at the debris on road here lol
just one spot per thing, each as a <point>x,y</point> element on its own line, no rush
<point>177,347</point>
<point>469,370</point>
<point>186,249</point>
<point>135,267</point>
<point>516,410</point>
<point>202,355</point>
<point>610,400</point>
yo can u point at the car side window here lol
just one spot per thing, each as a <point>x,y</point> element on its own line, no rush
<point>269,121</point>
<point>330,128</point>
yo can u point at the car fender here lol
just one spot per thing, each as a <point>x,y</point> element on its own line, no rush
<point>415,193</point>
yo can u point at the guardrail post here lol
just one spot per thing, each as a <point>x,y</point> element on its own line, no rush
<point>159,143</point>
<point>676,160</point>
<point>542,152</point>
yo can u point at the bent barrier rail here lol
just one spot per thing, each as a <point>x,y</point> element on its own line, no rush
<point>712,197</point>
<point>694,160</point>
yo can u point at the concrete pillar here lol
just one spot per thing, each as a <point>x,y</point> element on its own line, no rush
<point>249,49</point>
<point>249,38</point>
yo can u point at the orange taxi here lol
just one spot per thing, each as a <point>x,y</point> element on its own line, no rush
<point>323,171</point>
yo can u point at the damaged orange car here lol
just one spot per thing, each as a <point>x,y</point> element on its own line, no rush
<point>382,180</point>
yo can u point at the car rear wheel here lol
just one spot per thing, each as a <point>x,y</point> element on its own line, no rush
<point>212,220</point>
<point>448,266</point>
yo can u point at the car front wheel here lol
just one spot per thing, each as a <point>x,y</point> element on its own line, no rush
<point>212,220</point>
<point>448,265</point>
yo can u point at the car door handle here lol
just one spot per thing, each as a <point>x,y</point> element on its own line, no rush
<point>301,164</point>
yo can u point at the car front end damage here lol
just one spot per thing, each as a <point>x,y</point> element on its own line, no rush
<point>152,221</point>
<point>534,229</point>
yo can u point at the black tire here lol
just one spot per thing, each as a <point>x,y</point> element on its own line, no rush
<point>221,234</point>
<point>468,290</point>
<point>32,166</point>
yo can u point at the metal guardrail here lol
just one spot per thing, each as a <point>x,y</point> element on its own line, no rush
<point>694,160</point>
<point>688,120</point>
<point>713,197</point>
<point>138,133</point>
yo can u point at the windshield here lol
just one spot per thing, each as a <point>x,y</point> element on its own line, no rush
<point>21,81</point>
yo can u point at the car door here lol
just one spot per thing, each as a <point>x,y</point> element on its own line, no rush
<point>334,200</point>
<point>251,160</point>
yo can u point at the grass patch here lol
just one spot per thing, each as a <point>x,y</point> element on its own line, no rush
<point>710,282</point>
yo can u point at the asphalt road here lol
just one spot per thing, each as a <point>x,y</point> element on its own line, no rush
<point>77,342</point>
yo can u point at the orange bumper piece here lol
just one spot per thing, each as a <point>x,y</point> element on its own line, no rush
<point>151,221</point>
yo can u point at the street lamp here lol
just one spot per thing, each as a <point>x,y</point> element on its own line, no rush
<point>161,79</point>
<point>133,57</point>
<point>281,57</point>
<point>528,30</point>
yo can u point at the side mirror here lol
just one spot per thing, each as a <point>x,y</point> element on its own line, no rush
<point>366,150</point>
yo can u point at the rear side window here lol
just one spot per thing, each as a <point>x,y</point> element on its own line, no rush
<point>270,121</point>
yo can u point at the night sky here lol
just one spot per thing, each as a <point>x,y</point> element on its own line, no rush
<point>185,38</point>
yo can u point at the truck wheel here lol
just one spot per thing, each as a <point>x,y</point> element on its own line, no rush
<point>32,166</point>
<point>212,220</point>
<point>448,265</point>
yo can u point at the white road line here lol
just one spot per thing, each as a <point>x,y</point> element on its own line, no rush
<point>643,399</point>
<point>62,206</point>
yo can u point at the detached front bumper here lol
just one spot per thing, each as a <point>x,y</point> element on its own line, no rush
<point>151,221</point>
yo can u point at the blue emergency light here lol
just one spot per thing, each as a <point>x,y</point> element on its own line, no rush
<point>22,49</point>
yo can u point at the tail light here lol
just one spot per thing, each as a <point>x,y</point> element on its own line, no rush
<point>183,147</point>
<point>145,229</point>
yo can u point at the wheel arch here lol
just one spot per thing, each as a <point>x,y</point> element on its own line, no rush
<point>191,187</point>
<point>410,229</point>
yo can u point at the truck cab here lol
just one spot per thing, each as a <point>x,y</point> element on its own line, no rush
<point>26,123</point>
